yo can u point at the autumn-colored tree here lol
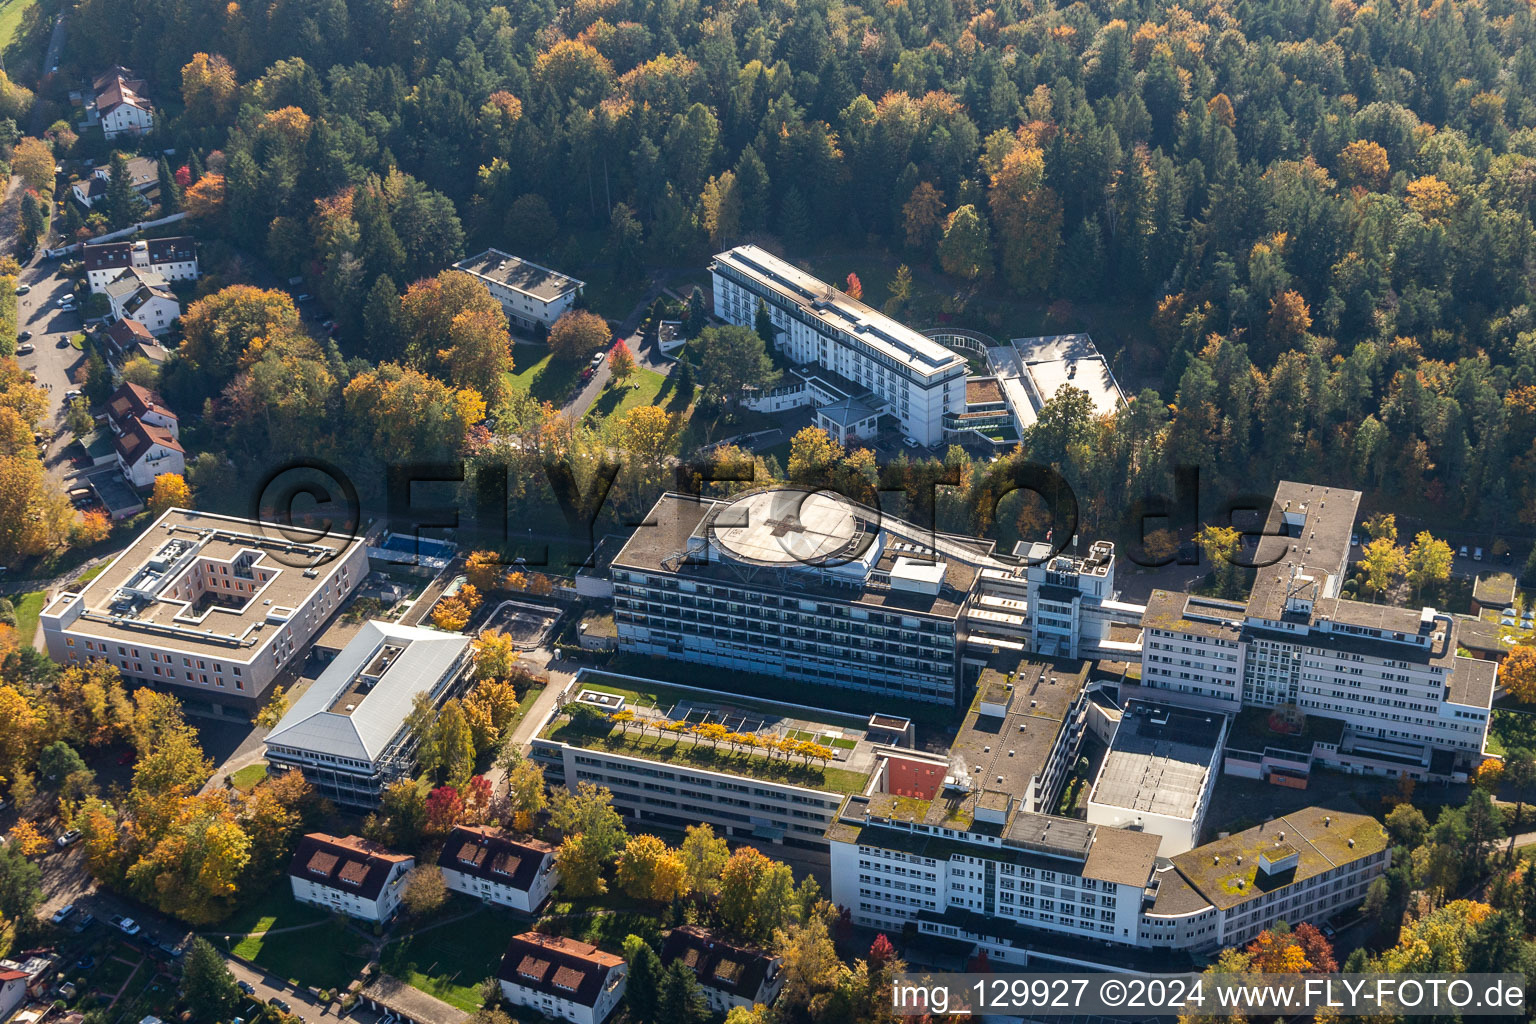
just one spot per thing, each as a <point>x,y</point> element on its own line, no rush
<point>444,809</point>
<point>1220,109</point>
<point>1383,563</point>
<point>721,206</point>
<point>648,870</point>
<point>170,491</point>
<point>90,527</point>
<point>1431,198</point>
<point>209,89</point>
<point>1289,319</point>
<point>26,838</point>
<point>855,287</point>
<point>1489,774</point>
<point>578,334</point>
<point>227,330</point>
<point>1428,562</point>
<point>483,569</point>
<point>1028,217</point>
<point>525,789</point>
<point>32,160</point>
<point>489,709</point>
<point>813,454</point>
<point>495,655</point>
<point>1221,546</point>
<point>646,433</point>
<point>704,855</point>
<point>425,890</point>
<point>923,213</point>
<point>621,362</point>
<point>1365,163</point>
<point>274,710</point>
<point>204,200</point>
<point>1518,673</point>
<point>900,287</point>
<point>450,614</point>
<point>580,864</point>
<point>756,894</point>
<point>35,515</point>
<point>574,71</point>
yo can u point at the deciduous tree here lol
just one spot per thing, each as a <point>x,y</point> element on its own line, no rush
<point>578,334</point>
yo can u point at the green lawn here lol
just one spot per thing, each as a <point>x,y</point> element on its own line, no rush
<point>275,908</point>
<point>11,14</point>
<point>95,570</point>
<point>674,747</point>
<point>548,379</point>
<point>247,778</point>
<point>28,607</point>
<point>646,387</point>
<point>326,956</point>
<point>451,961</point>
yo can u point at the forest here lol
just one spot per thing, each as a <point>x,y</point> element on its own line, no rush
<point>1318,214</point>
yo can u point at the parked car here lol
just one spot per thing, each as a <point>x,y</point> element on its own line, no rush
<point>24,336</point>
<point>68,838</point>
<point>25,350</point>
<point>1477,554</point>
<point>246,987</point>
<point>69,307</point>
<point>1354,540</point>
<point>280,1003</point>
<point>1463,552</point>
<point>63,913</point>
<point>126,925</point>
<point>23,289</point>
<point>910,443</point>
<point>303,297</point>
<point>67,300</point>
<point>598,357</point>
<point>72,393</point>
<point>85,922</point>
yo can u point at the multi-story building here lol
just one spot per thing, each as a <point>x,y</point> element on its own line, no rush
<point>916,380</point>
<point>802,584</point>
<point>1159,773</point>
<point>174,259</point>
<point>730,975</point>
<point>1056,604</point>
<point>120,104</point>
<point>210,606</point>
<point>348,732</point>
<point>350,875</point>
<point>561,977</point>
<point>737,801</point>
<point>143,296</point>
<point>496,866</point>
<point>1409,704</point>
<point>530,295</point>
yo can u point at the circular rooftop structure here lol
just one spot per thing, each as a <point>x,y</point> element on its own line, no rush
<point>789,527</point>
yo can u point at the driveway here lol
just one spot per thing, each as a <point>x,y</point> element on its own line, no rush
<point>270,986</point>
<point>54,360</point>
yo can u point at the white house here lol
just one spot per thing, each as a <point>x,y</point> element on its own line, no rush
<point>498,867</point>
<point>145,452</point>
<point>351,876</point>
<point>560,977</point>
<point>174,259</point>
<point>13,991</point>
<point>121,104</point>
<point>131,401</point>
<point>142,295</point>
<point>530,294</point>
<point>730,975</point>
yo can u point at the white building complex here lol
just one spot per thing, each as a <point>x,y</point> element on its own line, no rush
<point>1408,703</point>
<point>529,294</point>
<point>562,978</point>
<point>210,606</point>
<point>911,378</point>
<point>348,733</point>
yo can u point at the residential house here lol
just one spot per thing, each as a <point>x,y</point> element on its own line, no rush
<point>126,340</point>
<point>730,975</point>
<point>174,259</point>
<point>143,176</point>
<point>350,875</point>
<point>13,991</point>
<point>134,402</point>
<point>121,103</point>
<point>498,867</point>
<point>560,977</point>
<point>145,451</point>
<point>143,295</point>
<point>529,294</point>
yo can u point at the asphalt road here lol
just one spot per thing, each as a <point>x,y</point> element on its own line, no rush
<point>54,360</point>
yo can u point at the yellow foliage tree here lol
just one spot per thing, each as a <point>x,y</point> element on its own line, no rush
<point>26,838</point>
<point>1518,673</point>
<point>171,491</point>
<point>1431,198</point>
<point>649,870</point>
<point>483,569</point>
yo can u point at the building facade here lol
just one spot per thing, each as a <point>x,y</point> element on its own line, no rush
<point>561,977</point>
<point>496,866</point>
<point>1410,705</point>
<point>532,296</point>
<point>205,605</point>
<point>349,875</point>
<point>802,584</point>
<point>916,380</point>
<point>731,975</point>
<point>174,259</point>
<point>348,732</point>
<point>121,105</point>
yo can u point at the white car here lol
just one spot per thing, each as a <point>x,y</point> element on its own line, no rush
<point>67,300</point>
<point>127,925</point>
<point>62,914</point>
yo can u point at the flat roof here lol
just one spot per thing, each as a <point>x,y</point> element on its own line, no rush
<point>1472,682</point>
<point>840,311</point>
<point>788,527</point>
<point>1226,872</point>
<point>1176,612</point>
<point>673,538</point>
<point>519,274</point>
<point>1159,760</point>
<point>1057,361</point>
<point>158,562</point>
<point>999,754</point>
<point>1308,526</point>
